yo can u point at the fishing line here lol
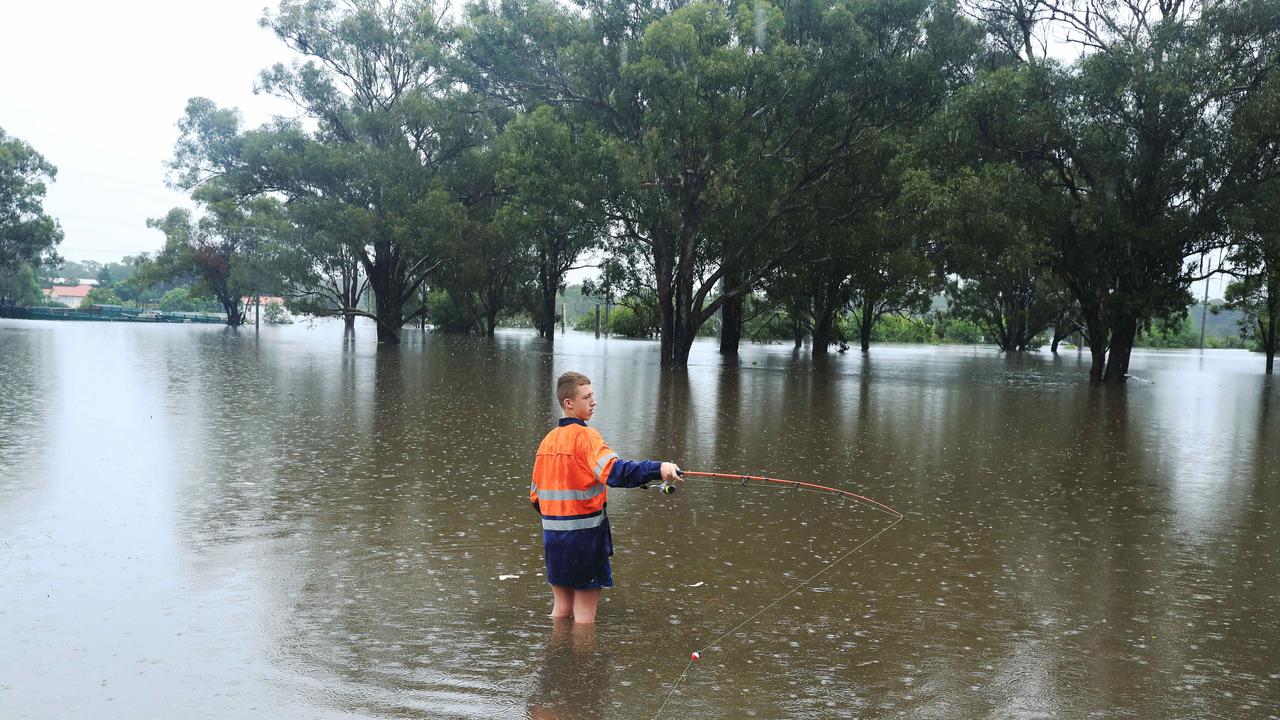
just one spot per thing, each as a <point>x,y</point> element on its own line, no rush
<point>798,485</point>
<point>745,480</point>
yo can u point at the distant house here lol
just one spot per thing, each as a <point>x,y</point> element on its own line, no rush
<point>266,300</point>
<point>69,295</point>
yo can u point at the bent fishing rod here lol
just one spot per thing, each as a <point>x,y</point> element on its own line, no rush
<point>667,487</point>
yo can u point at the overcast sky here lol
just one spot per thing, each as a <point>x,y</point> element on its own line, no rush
<point>98,87</point>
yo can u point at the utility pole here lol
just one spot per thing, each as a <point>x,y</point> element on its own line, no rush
<point>1204,306</point>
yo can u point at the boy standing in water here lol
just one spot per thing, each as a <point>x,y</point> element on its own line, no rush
<point>570,476</point>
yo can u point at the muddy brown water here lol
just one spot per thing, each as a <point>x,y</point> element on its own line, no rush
<point>200,523</point>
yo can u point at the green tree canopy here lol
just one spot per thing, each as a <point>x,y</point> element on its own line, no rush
<point>28,235</point>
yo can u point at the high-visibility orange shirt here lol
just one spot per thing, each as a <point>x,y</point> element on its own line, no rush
<point>570,476</point>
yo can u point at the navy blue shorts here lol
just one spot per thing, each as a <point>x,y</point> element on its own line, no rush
<point>579,559</point>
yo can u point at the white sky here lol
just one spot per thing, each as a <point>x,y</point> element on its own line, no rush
<point>98,87</point>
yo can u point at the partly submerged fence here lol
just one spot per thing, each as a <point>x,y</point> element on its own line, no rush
<point>106,313</point>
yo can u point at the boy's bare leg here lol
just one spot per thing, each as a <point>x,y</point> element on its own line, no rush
<point>584,605</point>
<point>563,605</point>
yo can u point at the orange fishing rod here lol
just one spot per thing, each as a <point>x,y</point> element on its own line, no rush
<point>669,487</point>
<point>744,479</point>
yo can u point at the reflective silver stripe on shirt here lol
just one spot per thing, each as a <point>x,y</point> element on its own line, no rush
<point>587,494</point>
<point>600,463</point>
<point>533,486</point>
<point>573,524</point>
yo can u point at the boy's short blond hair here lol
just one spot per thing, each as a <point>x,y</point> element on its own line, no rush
<point>567,386</point>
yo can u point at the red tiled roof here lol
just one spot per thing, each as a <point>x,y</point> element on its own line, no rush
<point>71,290</point>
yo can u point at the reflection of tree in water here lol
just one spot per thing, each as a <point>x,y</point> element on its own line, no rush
<point>27,393</point>
<point>573,679</point>
<point>671,431</point>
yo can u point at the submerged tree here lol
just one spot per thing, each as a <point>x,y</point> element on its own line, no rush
<point>319,274</point>
<point>221,252</point>
<point>28,235</point>
<point>720,121</point>
<point>990,235</point>
<point>1129,145</point>
<point>550,176</point>
<point>388,120</point>
<point>1254,263</point>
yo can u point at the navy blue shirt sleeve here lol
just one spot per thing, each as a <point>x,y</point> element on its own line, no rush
<point>634,473</point>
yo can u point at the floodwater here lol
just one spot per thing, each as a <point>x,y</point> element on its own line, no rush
<point>201,523</point>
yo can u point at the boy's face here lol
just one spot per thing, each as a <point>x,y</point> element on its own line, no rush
<point>582,405</point>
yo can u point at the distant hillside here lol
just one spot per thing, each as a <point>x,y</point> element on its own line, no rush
<point>576,303</point>
<point>1226,324</point>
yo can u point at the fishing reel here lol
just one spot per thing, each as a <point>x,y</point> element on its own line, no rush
<point>666,487</point>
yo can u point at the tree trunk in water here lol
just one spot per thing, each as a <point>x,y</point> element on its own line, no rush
<point>865,323</point>
<point>822,326</point>
<point>386,334</point>
<point>1269,338</point>
<point>1058,337</point>
<point>731,325</point>
<point>686,330</point>
<point>390,319</point>
<point>663,271</point>
<point>548,287</point>
<point>1269,328</point>
<point>667,329</point>
<point>685,336</point>
<point>235,318</point>
<point>547,324</point>
<point>1001,334</point>
<point>491,321</point>
<point>1097,340</point>
<point>1098,352</point>
<point>1016,339</point>
<point>1122,336</point>
<point>350,295</point>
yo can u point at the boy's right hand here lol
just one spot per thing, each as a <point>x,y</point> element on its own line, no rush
<point>671,472</point>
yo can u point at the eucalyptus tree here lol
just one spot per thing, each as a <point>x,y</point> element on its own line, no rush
<point>319,274</point>
<point>1253,259</point>
<point>894,276</point>
<point>719,119</point>
<point>1254,265</point>
<point>487,263</point>
<point>222,252</point>
<point>551,178</point>
<point>988,232</point>
<point>1129,143</point>
<point>1257,294</point>
<point>382,122</point>
<point>868,268</point>
<point>28,235</point>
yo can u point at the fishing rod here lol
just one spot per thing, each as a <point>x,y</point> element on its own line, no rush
<point>667,487</point>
